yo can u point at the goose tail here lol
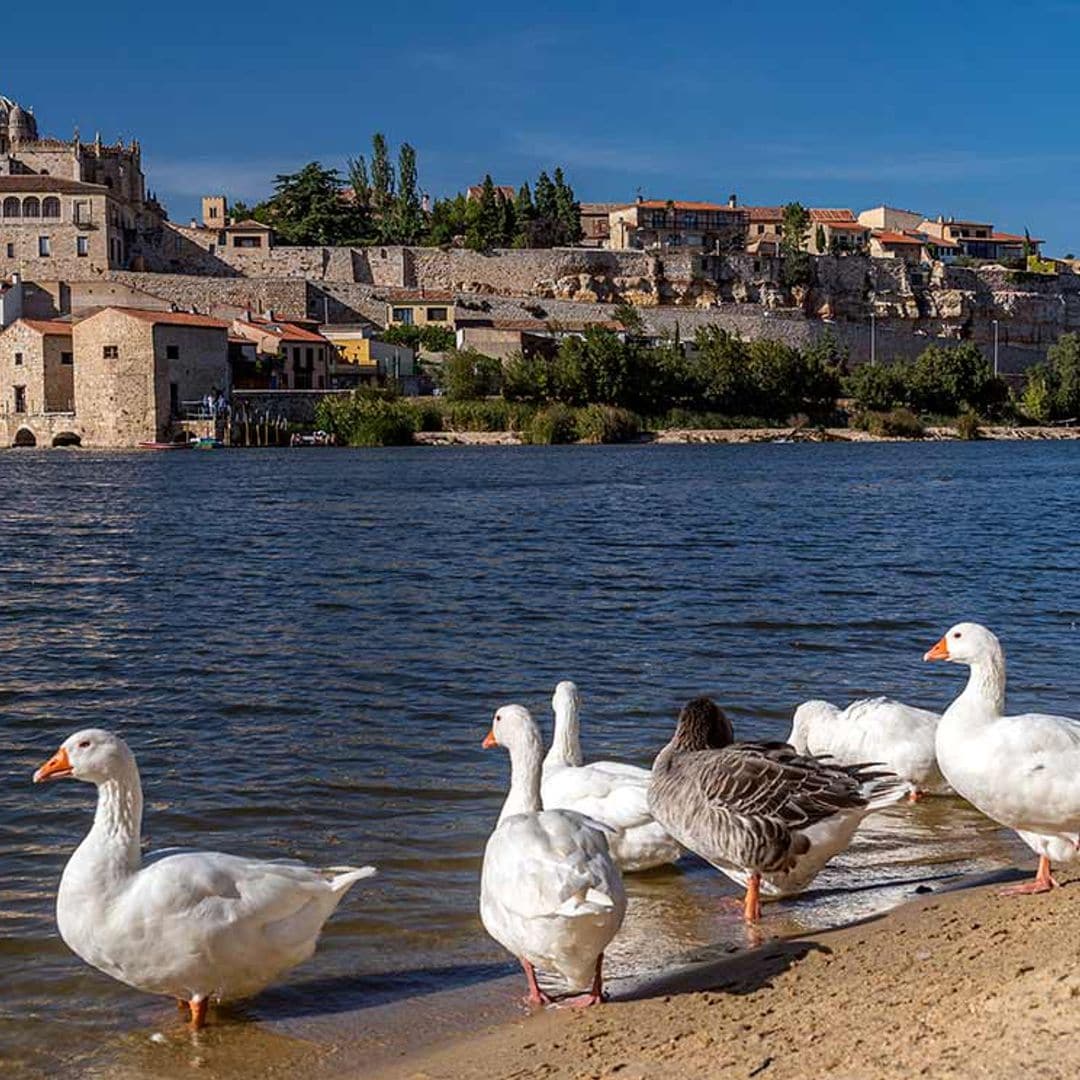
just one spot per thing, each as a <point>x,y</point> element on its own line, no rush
<point>346,876</point>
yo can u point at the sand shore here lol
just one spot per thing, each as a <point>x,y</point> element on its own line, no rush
<point>956,984</point>
<point>756,435</point>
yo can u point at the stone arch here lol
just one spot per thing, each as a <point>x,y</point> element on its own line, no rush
<point>50,207</point>
<point>25,437</point>
<point>31,206</point>
<point>67,438</point>
<point>12,207</point>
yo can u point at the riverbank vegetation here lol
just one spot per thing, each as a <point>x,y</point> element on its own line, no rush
<point>601,387</point>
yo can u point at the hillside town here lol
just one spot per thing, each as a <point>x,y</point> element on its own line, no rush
<point>121,328</point>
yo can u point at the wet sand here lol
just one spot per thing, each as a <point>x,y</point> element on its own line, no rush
<point>956,984</point>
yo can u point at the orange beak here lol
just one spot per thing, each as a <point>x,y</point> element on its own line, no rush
<point>939,652</point>
<point>489,740</point>
<point>56,768</point>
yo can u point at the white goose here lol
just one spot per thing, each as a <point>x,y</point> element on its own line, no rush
<point>900,737</point>
<point>1022,771</point>
<point>614,794</point>
<point>192,924</point>
<point>550,893</point>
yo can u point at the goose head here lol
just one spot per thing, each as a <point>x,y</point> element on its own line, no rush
<point>92,755</point>
<point>513,728</point>
<point>966,643</point>
<point>807,715</point>
<point>566,699</point>
<point>703,726</point>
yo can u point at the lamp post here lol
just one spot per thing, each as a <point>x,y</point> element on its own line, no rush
<point>873,339</point>
<point>995,347</point>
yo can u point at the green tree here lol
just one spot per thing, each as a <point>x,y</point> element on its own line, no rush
<point>794,230</point>
<point>407,218</point>
<point>630,318</point>
<point>567,227</point>
<point>507,220</point>
<point>467,374</point>
<point>449,220</point>
<point>308,208</point>
<point>1063,358</point>
<point>878,387</point>
<point>524,217</point>
<point>949,380</point>
<point>382,173</point>
<point>819,239</point>
<point>485,224</point>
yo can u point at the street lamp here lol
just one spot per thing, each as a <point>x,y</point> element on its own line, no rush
<point>995,347</point>
<point>873,338</point>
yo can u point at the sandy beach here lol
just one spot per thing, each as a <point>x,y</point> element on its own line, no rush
<point>957,984</point>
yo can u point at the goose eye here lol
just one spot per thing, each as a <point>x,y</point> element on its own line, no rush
<point>957,634</point>
<point>85,744</point>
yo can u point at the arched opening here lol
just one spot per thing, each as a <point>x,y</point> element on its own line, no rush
<point>12,207</point>
<point>50,207</point>
<point>67,438</point>
<point>31,207</point>
<point>25,437</point>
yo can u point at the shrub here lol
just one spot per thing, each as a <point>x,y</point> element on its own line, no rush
<point>429,416</point>
<point>431,338</point>
<point>555,424</point>
<point>899,423</point>
<point>967,425</point>
<point>877,387</point>
<point>607,424</point>
<point>493,414</point>
<point>467,374</point>
<point>951,380</point>
<point>367,418</point>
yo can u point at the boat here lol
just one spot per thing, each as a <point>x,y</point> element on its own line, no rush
<point>149,444</point>
<point>207,442</point>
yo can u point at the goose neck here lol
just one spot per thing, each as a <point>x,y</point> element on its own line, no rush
<point>986,684</point>
<point>525,775</point>
<point>117,828</point>
<point>566,741</point>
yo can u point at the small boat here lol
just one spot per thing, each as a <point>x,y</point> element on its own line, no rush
<point>207,442</point>
<point>149,444</point>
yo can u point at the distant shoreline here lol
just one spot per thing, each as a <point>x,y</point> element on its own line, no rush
<point>688,436</point>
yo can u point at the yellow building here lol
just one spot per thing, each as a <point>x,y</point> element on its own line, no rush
<point>419,307</point>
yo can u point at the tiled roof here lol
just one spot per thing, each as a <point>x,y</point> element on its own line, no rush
<point>169,318</point>
<point>32,184</point>
<point>1012,238</point>
<point>474,191</point>
<point>830,217</point>
<point>845,226</point>
<point>663,204</point>
<point>284,331</point>
<point>248,225</point>
<point>765,213</point>
<point>884,236</point>
<point>56,327</point>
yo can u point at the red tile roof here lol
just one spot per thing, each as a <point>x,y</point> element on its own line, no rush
<point>284,331</point>
<point>845,226</point>
<point>765,213</point>
<point>1011,238</point>
<point>887,237</point>
<point>662,204</point>
<point>169,318</point>
<point>830,217</point>
<point>55,327</point>
<point>35,183</point>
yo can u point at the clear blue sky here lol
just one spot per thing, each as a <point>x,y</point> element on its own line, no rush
<point>964,109</point>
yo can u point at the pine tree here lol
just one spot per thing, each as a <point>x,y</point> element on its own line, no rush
<point>382,173</point>
<point>485,223</point>
<point>545,227</point>
<point>507,221</point>
<point>567,212</point>
<point>524,215</point>
<point>407,218</point>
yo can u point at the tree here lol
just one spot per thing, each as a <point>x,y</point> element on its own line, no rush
<point>819,239</point>
<point>382,173</point>
<point>948,381</point>
<point>507,220</point>
<point>449,220</point>
<point>407,218</point>
<point>794,230</point>
<point>524,216</point>
<point>359,181</point>
<point>485,224</point>
<point>308,208</point>
<point>567,212</point>
<point>1063,358</point>
<point>468,374</point>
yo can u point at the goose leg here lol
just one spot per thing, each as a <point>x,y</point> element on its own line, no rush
<point>752,905</point>
<point>536,995</point>
<point>1043,882</point>
<point>594,996</point>
<point>198,1013</point>
<point>914,795</point>
<point>182,1005</point>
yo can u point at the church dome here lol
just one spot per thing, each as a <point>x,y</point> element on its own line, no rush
<point>21,125</point>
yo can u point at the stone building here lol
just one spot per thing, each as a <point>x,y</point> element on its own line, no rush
<point>698,226</point>
<point>297,356</point>
<point>136,371</point>
<point>68,207</point>
<point>36,379</point>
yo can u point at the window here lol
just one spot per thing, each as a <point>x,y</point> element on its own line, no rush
<point>223,238</point>
<point>67,359</point>
<point>50,207</point>
<point>247,241</point>
<point>31,207</point>
<point>760,230</point>
<point>213,211</point>
<point>309,358</point>
<point>82,212</point>
<point>44,247</point>
<point>82,246</point>
<point>11,251</point>
<point>172,352</point>
<point>18,359</point>
<point>12,207</point>
<point>20,399</point>
<point>436,314</point>
<point>174,399</point>
<point>402,315</point>
<point>110,352</point>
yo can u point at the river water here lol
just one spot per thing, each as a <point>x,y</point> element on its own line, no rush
<point>304,649</point>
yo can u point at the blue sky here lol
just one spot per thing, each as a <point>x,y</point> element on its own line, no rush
<point>964,109</point>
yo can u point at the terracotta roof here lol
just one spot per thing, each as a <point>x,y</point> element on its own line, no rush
<point>168,318</point>
<point>32,183</point>
<point>474,191</point>
<point>55,327</point>
<point>887,237</point>
<point>419,296</point>
<point>284,331</point>
<point>1011,238</point>
<point>662,204</point>
<point>830,217</point>
<point>846,226</point>
<point>765,213</point>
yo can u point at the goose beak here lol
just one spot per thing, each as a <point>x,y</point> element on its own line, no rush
<point>939,652</point>
<point>56,768</point>
<point>489,740</point>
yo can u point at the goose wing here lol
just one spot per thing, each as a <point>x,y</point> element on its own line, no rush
<point>606,791</point>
